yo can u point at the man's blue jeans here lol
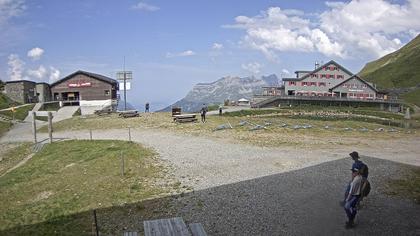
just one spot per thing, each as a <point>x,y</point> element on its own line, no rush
<point>350,207</point>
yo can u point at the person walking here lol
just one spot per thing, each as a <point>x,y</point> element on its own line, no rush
<point>203,112</point>
<point>353,197</point>
<point>147,106</point>
<point>220,110</point>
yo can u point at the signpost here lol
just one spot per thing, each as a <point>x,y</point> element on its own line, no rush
<point>124,76</point>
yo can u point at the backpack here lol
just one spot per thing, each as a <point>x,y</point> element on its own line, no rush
<point>364,170</point>
<point>365,190</point>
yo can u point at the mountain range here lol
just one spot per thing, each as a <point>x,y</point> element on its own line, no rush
<point>397,72</point>
<point>230,87</point>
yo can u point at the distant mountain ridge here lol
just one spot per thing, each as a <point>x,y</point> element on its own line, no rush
<point>230,87</point>
<point>397,72</point>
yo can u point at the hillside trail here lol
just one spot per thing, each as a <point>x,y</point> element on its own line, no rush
<point>204,162</point>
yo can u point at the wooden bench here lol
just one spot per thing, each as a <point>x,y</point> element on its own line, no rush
<point>128,114</point>
<point>185,118</point>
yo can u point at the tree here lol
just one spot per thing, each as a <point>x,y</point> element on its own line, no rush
<point>1,85</point>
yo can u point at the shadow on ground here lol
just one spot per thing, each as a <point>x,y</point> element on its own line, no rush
<point>301,202</point>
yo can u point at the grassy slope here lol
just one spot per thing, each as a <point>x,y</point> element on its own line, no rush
<point>399,69</point>
<point>20,113</point>
<point>4,127</point>
<point>412,97</point>
<point>5,102</point>
<point>14,156</point>
<point>71,177</point>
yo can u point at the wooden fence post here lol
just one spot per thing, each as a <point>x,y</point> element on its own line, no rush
<point>122,163</point>
<point>90,134</point>
<point>129,134</point>
<point>50,127</point>
<point>34,125</point>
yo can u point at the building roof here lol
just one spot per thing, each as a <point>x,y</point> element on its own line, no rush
<point>243,100</point>
<point>19,81</point>
<point>355,77</point>
<point>89,74</point>
<point>304,71</point>
<point>291,79</point>
<point>320,68</point>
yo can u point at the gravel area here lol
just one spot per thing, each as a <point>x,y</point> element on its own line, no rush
<point>302,202</point>
<point>247,190</point>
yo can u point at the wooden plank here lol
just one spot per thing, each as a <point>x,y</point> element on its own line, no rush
<point>197,229</point>
<point>166,227</point>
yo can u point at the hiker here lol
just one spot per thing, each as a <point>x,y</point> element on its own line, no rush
<point>353,197</point>
<point>358,164</point>
<point>220,110</point>
<point>362,167</point>
<point>147,106</point>
<point>203,112</point>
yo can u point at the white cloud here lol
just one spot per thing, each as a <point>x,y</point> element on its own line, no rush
<point>9,9</point>
<point>346,29</point>
<point>253,67</point>
<point>285,71</point>
<point>145,7</point>
<point>217,46</point>
<point>39,73</point>
<point>35,53</point>
<point>16,66</point>
<point>54,74</point>
<point>180,54</point>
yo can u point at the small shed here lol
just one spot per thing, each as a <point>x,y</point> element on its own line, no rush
<point>243,102</point>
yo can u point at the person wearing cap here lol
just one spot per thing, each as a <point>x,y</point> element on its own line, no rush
<point>358,164</point>
<point>353,197</point>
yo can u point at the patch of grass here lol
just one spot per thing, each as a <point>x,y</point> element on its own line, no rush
<point>412,97</point>
<point>408,186</point>
<point>254,112</point>
<point>5,102</point>
<point>78,112</point>
<point>71,177</point>
<point>20,113</point>
<point>4,127</point>
<point>54,106</point>
<point>14,156</point>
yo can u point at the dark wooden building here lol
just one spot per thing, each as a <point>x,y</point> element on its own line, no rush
<point>84,86</point>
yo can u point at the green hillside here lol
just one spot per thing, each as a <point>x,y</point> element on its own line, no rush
<point>400,69</point>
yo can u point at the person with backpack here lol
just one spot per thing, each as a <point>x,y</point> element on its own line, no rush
<point>353,197</point>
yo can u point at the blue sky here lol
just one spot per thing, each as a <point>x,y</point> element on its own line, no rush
<point>172,45</point>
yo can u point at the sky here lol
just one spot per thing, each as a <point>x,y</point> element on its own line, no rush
<point>172,45</point>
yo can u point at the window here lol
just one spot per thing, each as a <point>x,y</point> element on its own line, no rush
<point>107,92</point>
<point>340,77</point>
<point>321,84</point>
<point>304,83</point>
<point>314,75</point>
<point>323,76</point>
<point>292,83</point>
<point>312,83</point>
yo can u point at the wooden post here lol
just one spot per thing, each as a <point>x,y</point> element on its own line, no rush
<point>50,127</point>
<point>122,163</point>
<point>34,125</point>
<point>90,134</point>
<point>96,223</point>
<point>129,134</point>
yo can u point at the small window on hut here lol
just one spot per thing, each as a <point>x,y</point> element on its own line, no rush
<point>107,92</point>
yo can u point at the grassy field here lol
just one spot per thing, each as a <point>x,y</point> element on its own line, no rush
<point>330,130</point>
<point>408,187</point>
<point>413,97</point>
<point>20,113</point>
<point>56,191</point>
<point>14,156</point>
<point>4,127</point>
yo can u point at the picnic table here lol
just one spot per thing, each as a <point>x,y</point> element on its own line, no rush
<point>185,118</point>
